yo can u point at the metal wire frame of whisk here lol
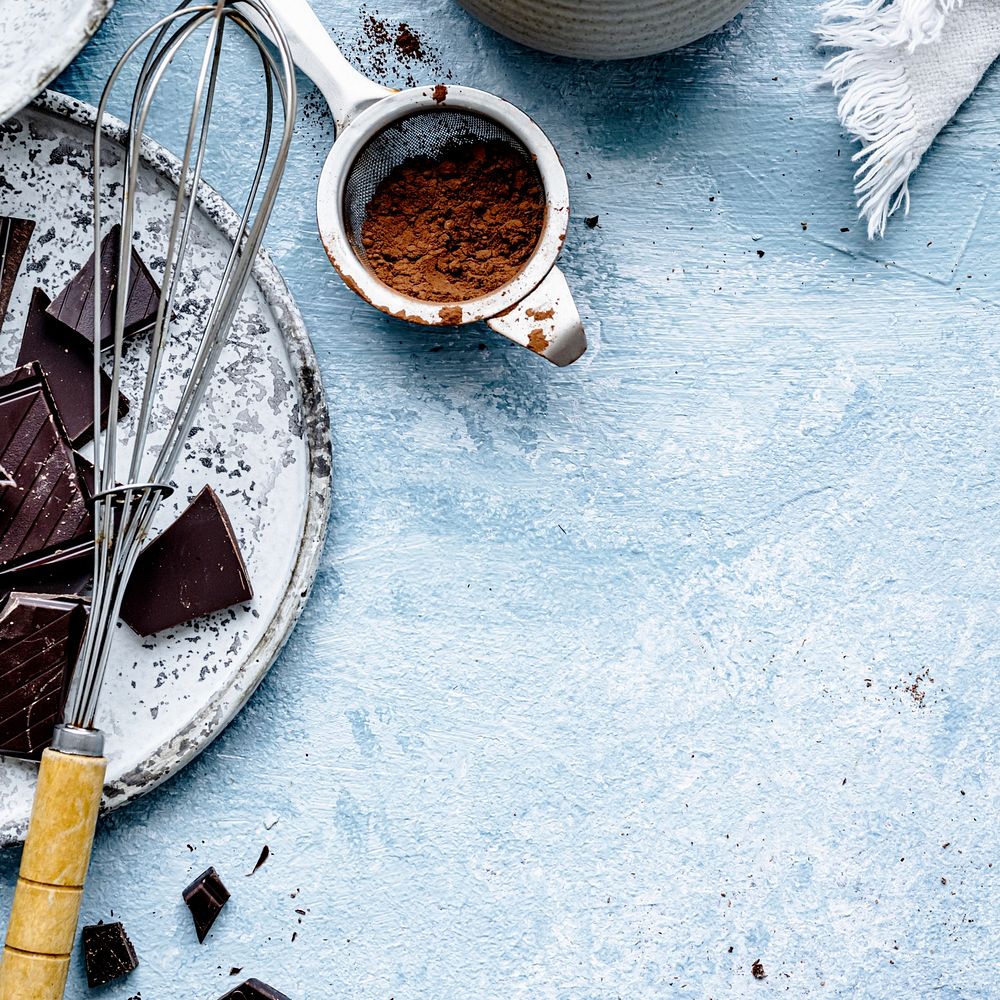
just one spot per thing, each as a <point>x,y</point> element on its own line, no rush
<point>123,515</point>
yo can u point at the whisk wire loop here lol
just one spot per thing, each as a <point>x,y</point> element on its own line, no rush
<point>123,515</point>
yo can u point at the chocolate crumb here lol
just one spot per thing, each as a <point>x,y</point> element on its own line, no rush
<point>592,221</point>
<point>758,970</point>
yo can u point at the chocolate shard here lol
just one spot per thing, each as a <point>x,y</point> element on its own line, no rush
<point>39,642</point>
<point>15,235</point>
<point>68,366</point>
<point>74,306</point>
<point>254,989</point>
<point>62,572</point>
<point>192,568</point>
<point>205,898</point>
<point>46,508</point>
<point>107,953</point>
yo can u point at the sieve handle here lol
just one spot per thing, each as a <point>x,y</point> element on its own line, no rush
<point>546,321</point>
<point>43,919</point>
<point>315,53</point>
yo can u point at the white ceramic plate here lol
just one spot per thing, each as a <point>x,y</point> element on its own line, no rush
<point>38,40</point>
<point>261,440</point>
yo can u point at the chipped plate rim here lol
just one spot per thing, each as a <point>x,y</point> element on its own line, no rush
<point>223,706</point>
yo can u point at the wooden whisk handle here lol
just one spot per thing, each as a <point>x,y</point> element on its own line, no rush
<point>42,928</point>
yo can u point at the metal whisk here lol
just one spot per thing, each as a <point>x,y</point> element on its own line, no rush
<point>42,927</point>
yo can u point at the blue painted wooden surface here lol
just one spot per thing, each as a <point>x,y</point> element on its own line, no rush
<point>619,678</point>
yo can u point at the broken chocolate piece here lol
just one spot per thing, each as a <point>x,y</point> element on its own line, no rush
<point>39,642</point>
<point>108,953</point>
<point>205,898</point>
<point>46,507</point>
<point>254,989</point>
<point>61,572</point>
<point>69,371</point>
<point>192,568</point>
<point>74,306</point>
<point>15,234</point>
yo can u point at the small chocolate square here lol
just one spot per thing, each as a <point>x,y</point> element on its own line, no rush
<point>74,305</point>
<point>107,953</point>
<point>254,989</point>
<point>205,898</point>
<point>15,235</point>
<point>69,370</point>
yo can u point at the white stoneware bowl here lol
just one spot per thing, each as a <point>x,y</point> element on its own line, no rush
<point>604,29</point>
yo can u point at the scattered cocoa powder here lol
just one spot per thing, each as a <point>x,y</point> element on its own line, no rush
<point>408,43</point>
<point>457,226</point>
<point>394,52</point>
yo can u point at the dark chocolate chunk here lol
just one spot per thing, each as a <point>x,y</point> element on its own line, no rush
<point>39,642</point>
<point>68,366</point>
<point>74,306</point>
<point>254,989</point>
<point>46,508</point>
<point>205,898</point>
<point>64,571</point>
<point>192,568</point>
<point>107,953</point>
<point>15,234</point>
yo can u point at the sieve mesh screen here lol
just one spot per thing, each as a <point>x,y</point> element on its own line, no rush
<point>425,133</point>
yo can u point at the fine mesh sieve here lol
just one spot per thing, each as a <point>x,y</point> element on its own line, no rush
<point>377,129</point>
<point>423,134</point>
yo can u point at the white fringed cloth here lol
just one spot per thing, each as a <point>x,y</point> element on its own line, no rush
<point>906,67</point>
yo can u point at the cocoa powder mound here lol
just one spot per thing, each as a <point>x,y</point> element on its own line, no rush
<point>457,226</point>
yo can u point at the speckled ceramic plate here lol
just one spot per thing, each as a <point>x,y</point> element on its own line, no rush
<point>261,441</point>
<point>38,40</point>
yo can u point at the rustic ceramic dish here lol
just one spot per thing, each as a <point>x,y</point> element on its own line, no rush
<point>38,40</point>
<point>261,440</point>
<point>604,29</point>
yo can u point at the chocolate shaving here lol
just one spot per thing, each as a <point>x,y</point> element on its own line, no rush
<point>265,853</point>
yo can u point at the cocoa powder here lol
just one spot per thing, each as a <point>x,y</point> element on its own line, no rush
<point>456,226</point>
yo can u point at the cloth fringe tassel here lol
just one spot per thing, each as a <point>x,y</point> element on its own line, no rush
<point>876,101</point>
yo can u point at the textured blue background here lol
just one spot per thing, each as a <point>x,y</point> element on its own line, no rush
<point>607,685</point>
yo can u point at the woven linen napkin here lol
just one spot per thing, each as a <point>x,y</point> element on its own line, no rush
<point>906,67</point>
